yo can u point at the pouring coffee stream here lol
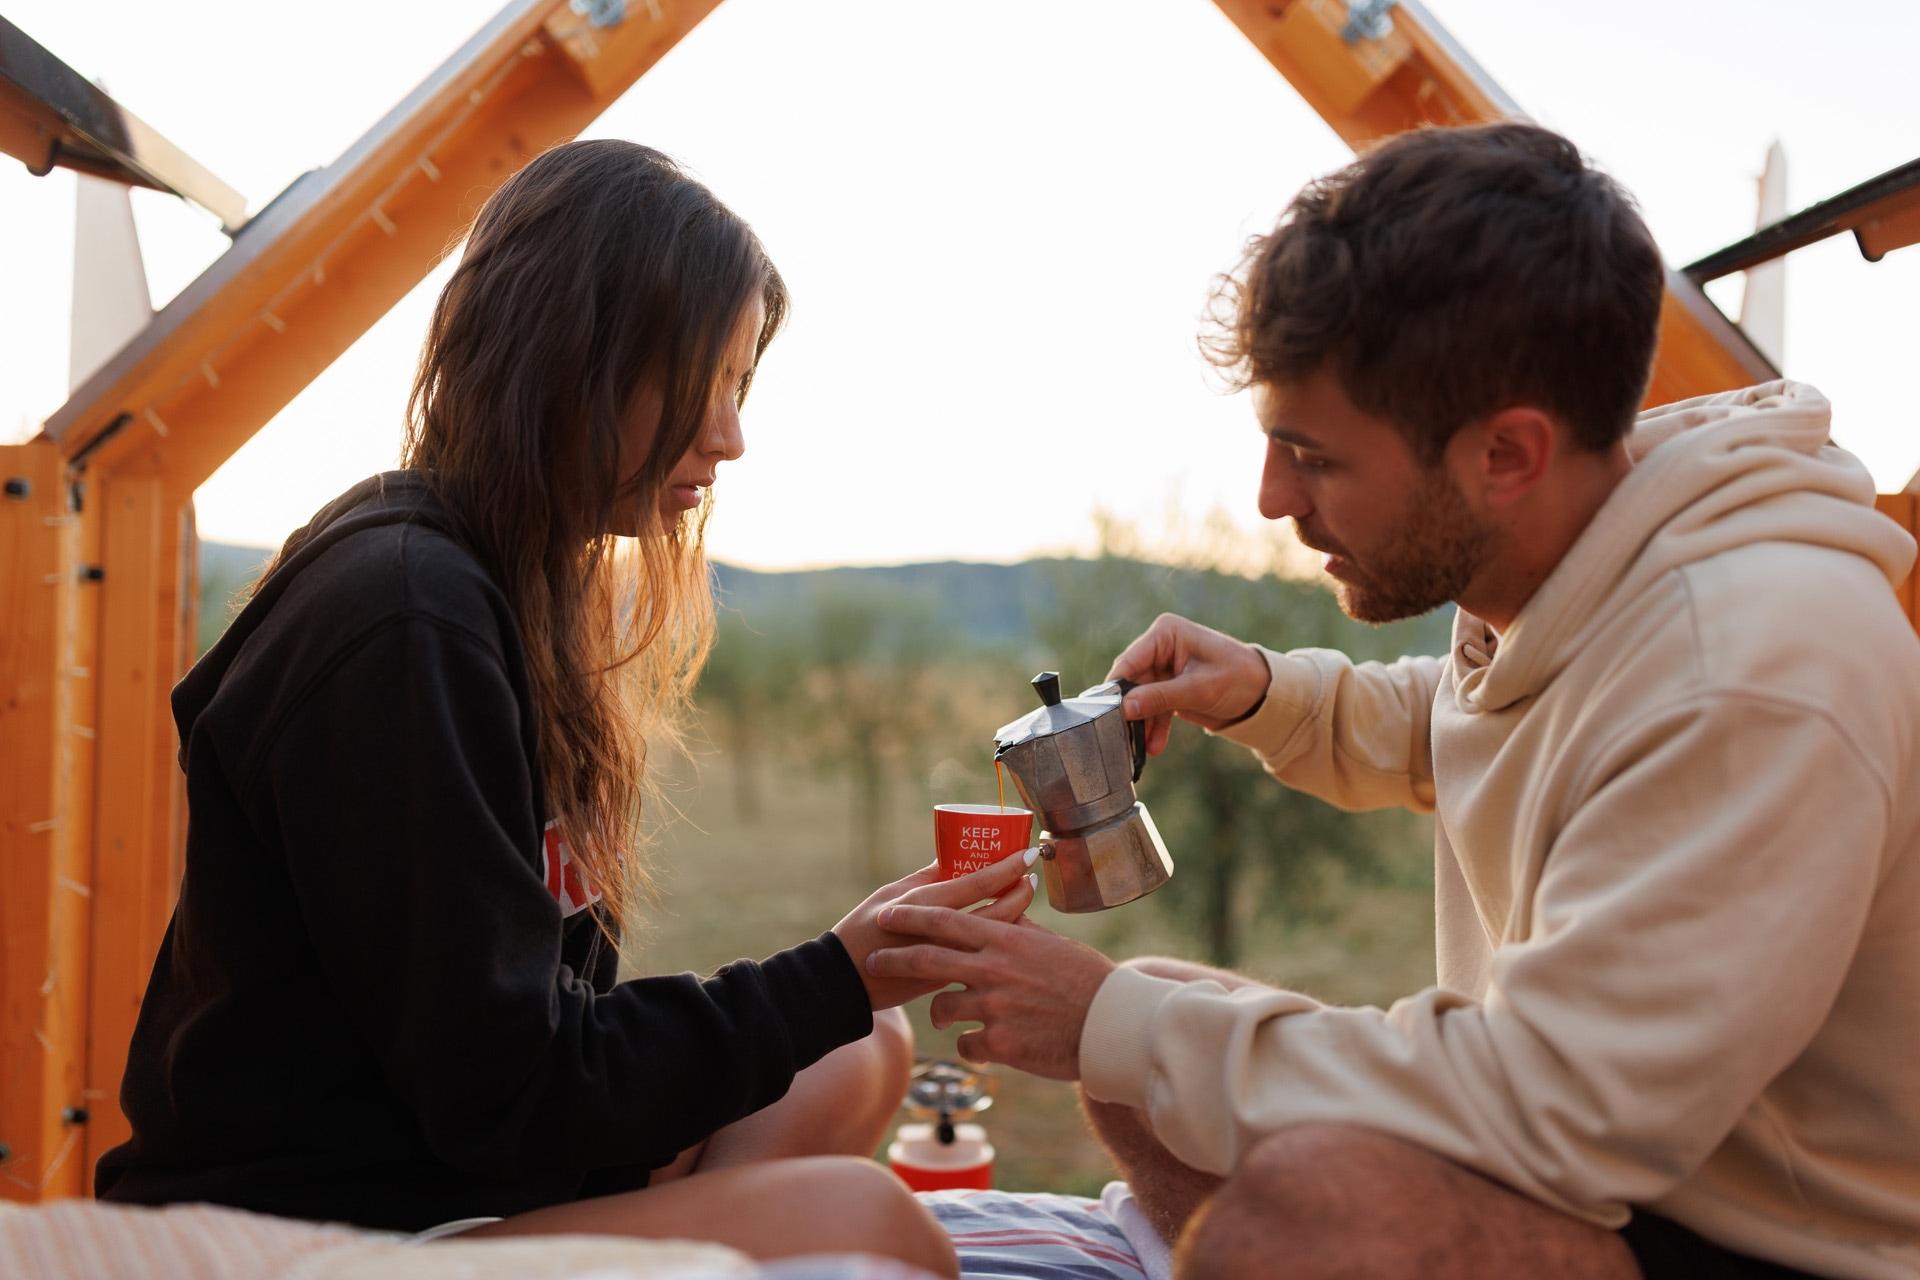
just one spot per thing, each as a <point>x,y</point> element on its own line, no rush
<point>1074,762</point>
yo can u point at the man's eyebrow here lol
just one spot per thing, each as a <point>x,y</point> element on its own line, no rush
<point>1293,438</point>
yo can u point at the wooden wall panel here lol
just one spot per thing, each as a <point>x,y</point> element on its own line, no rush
<point>44,879</point>
<point>133,846</point>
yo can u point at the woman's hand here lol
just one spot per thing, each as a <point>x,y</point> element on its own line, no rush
<point>1194,672</point>
<point>1004,887</point>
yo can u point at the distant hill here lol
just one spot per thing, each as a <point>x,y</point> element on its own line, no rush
<point>986,604</point>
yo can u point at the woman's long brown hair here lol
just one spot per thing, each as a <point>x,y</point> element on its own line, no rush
<point>598,270</point>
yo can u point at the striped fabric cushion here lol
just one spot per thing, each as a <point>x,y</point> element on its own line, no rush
<point>1034,1236</point>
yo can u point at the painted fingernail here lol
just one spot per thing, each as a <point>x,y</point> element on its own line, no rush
<point>1030,855</point>
<point>1033,878</point>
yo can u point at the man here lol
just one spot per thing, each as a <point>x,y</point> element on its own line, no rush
<point>1676,1030</point>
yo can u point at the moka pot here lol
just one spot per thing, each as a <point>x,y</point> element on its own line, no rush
<point>1074,762</point>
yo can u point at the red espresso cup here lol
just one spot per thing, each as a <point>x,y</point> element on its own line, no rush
<point>967,837</point>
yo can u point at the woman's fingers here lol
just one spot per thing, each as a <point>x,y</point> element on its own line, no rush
<point>1012,903</point>
<point>976,886</point>
<point>929,874</point>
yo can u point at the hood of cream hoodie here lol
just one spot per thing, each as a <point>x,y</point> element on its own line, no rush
<point>1709,475</point>
<point>1677,869</point>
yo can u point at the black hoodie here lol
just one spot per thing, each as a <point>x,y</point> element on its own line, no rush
<point>369,1006</point>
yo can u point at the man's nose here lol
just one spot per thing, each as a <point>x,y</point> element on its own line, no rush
<point>1280,492</point>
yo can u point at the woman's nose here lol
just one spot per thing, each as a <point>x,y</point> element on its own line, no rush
<point>723,436</point>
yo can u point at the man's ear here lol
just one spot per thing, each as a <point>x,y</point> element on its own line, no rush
<point>1506,454</point>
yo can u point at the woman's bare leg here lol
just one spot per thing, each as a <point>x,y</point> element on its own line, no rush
<point>840,1106</point>
<point>776,1209</point>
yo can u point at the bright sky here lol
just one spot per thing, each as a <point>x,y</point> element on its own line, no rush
<point>999,221</point>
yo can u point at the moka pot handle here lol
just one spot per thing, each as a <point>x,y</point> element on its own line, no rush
<point>1136,730</point>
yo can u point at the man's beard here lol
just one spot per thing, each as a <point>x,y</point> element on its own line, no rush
<point>1426,560</point>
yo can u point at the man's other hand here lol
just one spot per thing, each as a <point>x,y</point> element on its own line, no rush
<point>1194,672</point>
<point>1004,886</point>
<point>1027,986</point>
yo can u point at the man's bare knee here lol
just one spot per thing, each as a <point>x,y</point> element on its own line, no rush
<point>1302,1194</point>
<point>1310,1170</point>
<point>1341,1200</point>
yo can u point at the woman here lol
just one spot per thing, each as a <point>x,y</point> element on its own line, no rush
<point>413,765</point>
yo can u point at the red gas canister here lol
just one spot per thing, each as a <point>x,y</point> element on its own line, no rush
<point>938,1150</point>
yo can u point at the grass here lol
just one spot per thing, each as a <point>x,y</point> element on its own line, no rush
<point>730,887</point>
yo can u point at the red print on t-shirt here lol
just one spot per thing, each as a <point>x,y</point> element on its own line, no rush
<point>567,881</point>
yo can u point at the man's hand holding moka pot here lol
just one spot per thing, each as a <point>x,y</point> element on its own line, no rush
<point>1027,986</point>
<point>1184,669</point>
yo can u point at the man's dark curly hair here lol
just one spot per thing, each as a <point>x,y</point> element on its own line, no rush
<point>1450,273</point>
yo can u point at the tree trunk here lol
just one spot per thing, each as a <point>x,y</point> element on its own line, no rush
<point>1223,871</point>
<point>870,780</point>
<point>1223,946</point>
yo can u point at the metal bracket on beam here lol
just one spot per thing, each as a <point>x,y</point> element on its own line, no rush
<point>1344,49</point>
<point>1883,213</point>
<point>51,116</point>
<point>601,13</point>
<point>1368,20</point>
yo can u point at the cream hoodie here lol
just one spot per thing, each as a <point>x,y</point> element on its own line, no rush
<point>1677,872</point>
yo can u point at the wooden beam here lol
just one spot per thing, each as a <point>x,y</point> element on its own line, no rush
<point>333,253</point>
<point>1369,88</point>
<point>44,878</point>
